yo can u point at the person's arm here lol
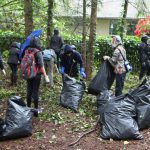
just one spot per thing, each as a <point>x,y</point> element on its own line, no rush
<point>40,64</point>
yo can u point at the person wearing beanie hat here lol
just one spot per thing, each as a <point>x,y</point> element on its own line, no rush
<point>117,61</point>
<point>69,62</point>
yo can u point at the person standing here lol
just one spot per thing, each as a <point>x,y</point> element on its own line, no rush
<point>33,84</point>
<point>49,57</point>
<point>143,57</point>
<point>117,61</point>
<point>70,59</point>
<point>13,61</point>
<point>56,44</point>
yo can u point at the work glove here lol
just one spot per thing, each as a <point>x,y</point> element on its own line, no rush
<point>82,73</point>
<point>106,57</point>
<point>47,79</point>
<point>4,73</point>
<point>62,70</point>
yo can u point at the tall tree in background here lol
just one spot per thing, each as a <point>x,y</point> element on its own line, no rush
<point>123,23</point>
<point>49,21</point>
<point>28,15</point>
<point>90,55</point>
<point>84,34</point>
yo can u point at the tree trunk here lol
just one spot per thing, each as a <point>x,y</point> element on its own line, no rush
<point>49,21</point>
<point>28,15</point>
<point>84,34</point>
<point>90,62</point>
<point>123,25</point>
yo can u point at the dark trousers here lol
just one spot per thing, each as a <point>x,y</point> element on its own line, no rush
<point>58,58</point>
<point>14,69</point>
<point>13,76</point>
<point>120,78</point>
<point>33,91</point>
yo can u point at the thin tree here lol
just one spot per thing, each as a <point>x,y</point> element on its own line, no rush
<point>28,15</point>
<point>123,24</point>
<point>90,59</point>
<point>49,21</point>
<point>84,34</point>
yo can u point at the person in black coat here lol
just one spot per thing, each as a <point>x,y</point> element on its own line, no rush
<point>56,44</point>
<point>13,61</point>
<point>70,59</point>
<point>143,56</point>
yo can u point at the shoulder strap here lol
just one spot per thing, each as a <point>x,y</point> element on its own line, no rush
<point>121,54</point>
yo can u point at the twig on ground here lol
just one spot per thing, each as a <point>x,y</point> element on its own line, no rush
<point>88,132</point>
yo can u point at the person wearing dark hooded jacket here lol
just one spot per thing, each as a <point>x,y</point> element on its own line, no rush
<point>56,44</point>
<point>70,59</point>
<point>34,83</point>
<point>13,61</point>
<point>143,56</point>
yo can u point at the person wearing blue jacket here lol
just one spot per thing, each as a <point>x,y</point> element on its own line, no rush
<point>70,59</point>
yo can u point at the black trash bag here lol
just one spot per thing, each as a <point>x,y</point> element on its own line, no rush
<point>72,92</point>
<point>102,99</point>
<point>118,119</point>
<point>142,97</point>
<point>18,121</point>
<point>103,79</point>
<point>143,115</point>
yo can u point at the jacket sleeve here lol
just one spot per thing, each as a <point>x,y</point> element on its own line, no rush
<point>78,58</point>
<point>113,60</point>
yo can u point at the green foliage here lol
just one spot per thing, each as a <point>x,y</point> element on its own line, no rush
<point>7,37</point>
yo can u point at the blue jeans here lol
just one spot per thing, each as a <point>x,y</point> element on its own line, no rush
<point>120,78</point>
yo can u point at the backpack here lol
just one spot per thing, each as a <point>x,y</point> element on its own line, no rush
<point>47,54</point>
<point>29,68</point>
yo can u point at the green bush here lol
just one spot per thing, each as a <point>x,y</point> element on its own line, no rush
<point>103,47</point>
<point>7,37</point>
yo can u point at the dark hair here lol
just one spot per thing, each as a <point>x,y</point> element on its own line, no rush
<point>35,43</point>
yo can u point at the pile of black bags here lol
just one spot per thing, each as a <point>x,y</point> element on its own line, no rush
<point>122,117</point>
<point>72,92</point>
<point>18,120</point>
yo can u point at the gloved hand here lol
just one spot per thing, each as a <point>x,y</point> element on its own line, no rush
<point>82,73</point>
<point>47,79</point>
<point>106,57</point>
<point>4,73</point>
<point>62,70</point>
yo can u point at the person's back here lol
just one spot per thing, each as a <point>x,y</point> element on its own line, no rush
<point>49,57</point>
<point>13,61</point>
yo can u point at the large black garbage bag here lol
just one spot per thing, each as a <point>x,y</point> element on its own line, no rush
<point>72,92</point>
<point>102,99</point>
<point>18,121</point>
<point>103,79</point>
<point>142,97</point>
<point>118,120</point>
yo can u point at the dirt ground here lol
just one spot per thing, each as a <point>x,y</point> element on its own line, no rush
<point>57,127</point>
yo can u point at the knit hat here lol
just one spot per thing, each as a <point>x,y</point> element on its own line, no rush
<point>67,49</point>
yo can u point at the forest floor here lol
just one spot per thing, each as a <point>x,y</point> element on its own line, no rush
<point>57,127</point>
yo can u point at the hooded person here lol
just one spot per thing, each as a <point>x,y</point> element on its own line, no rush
<point>13,61</point>
<point>117,61</point>
<point>143,56</point>
<point>69,62</point>
<point>56,43</point>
